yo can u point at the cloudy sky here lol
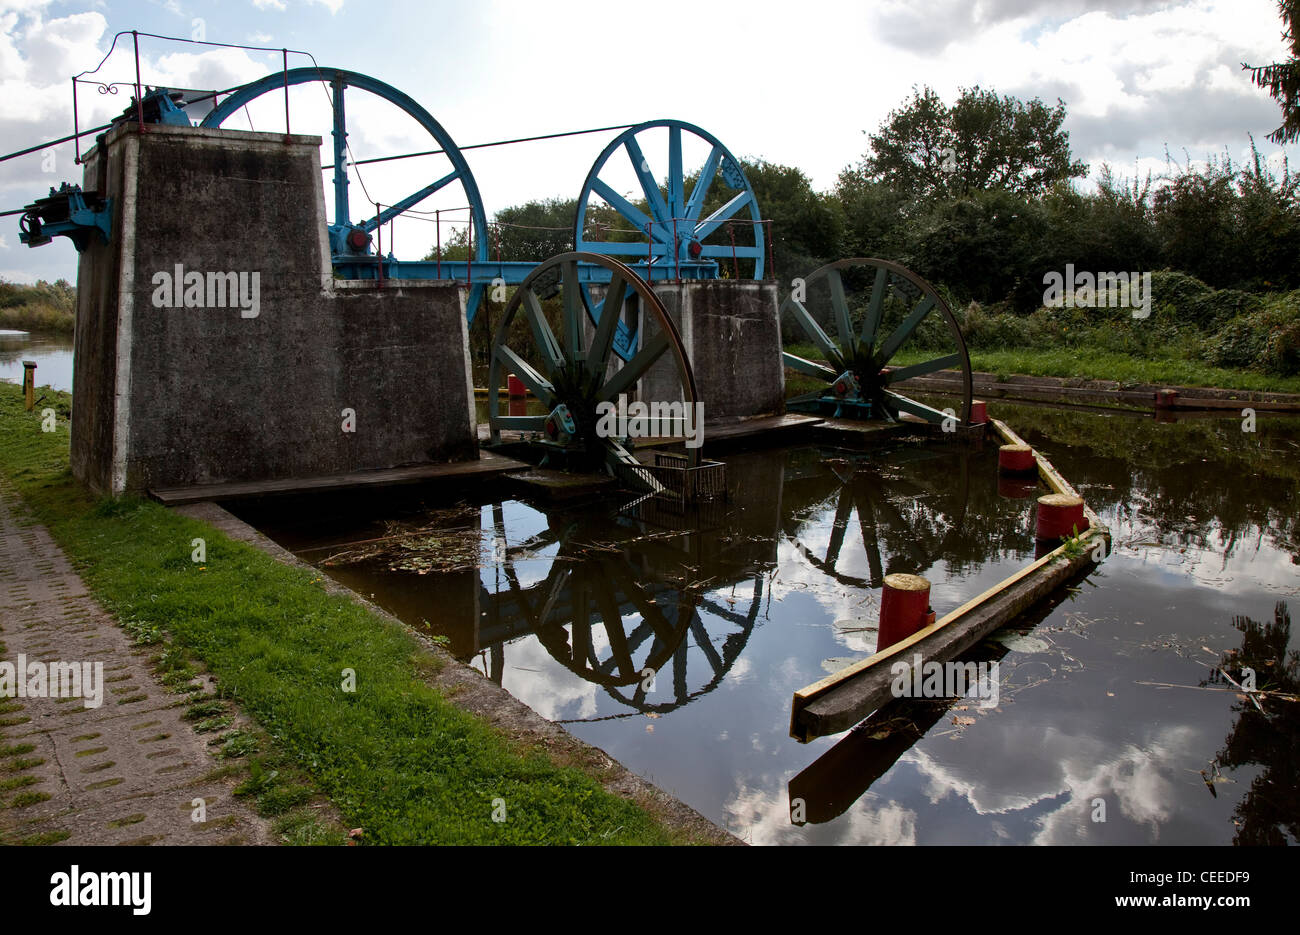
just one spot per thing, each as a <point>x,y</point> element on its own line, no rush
<point>794,83</point>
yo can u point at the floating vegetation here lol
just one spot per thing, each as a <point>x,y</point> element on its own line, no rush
<point>439,541</point>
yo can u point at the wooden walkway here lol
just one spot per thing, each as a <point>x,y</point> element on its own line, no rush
<point>487,465</point>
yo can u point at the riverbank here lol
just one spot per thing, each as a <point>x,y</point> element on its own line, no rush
<point>1084,364</point>
<point>340,698</point>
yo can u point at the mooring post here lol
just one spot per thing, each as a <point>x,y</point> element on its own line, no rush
<point>1060,515</point>
<point>29,384</point>
<point>1016,459</point>
<point>979,412</point>
<point>904,608</point>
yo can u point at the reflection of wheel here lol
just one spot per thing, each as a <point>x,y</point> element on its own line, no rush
<point>898,532</point>
<point>350,243</point>
<point>572,377</point>
<point>606,619</point>
<point>670,239</point>
<point>901,313</point>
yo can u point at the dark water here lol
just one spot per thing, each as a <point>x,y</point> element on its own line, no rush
<point>736,607</point>
<point>52,353</point>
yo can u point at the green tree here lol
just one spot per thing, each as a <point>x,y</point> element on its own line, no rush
<point>927,149</point>
<point>1282,79</point>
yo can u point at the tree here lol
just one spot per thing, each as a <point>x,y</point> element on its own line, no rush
<point>983,142</point>
<point>1282,79</point>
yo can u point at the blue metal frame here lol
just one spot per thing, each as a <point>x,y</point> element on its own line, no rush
<point>676,243</point>
<point>65,212</point>
<point>359,262</point>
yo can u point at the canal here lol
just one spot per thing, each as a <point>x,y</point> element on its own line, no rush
<point>674,641</point>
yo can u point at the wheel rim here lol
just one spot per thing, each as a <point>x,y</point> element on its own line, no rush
<point>679,232</point>
<point>895,306</point>
<point>564,610</point>
<point>339,79</point>
<point>572,372</point>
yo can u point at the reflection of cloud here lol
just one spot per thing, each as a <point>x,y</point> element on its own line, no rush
<point>534,677</point>
<point>1064,776</point>
<point>761,815</point>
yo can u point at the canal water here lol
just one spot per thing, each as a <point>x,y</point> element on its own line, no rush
<point>675,641</point>
<point>52,353</point>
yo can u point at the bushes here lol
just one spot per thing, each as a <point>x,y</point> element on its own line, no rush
<point>45,306</point>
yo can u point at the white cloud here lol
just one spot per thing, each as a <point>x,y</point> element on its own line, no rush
<point>277,5</point>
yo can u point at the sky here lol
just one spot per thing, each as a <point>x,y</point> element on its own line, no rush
<point>797,84</point>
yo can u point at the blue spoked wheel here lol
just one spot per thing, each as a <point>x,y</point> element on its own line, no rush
<point>876,325</point>
<point>351,242</point>
<point>670,237</point>
<point>570,373</point>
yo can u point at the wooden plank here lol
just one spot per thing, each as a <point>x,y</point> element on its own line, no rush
<point>847,701</point>
<point>840,700</point>
<point>1050,476</point>
<point>487,465</point>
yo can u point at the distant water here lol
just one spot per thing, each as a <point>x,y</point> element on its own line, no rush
<point>52,353</point>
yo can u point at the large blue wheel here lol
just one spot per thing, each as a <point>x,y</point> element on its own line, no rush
<point>671,237</point>
<point>350,242</point>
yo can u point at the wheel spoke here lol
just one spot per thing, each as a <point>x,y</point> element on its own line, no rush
<point>635,368</point>
<point>631,212</point>
<point>609,613</point>
<point>840,305</point>
<point>410,201</point>
<point>903,404</point>
<point>539,385</point>
<point>542,334</point>
<point>654,198</point>
<point>815,332</point>
<point>872,320</point>
<point>904,331</point>
<point>916,370</point>
<point>702,640</point>
<point>721,216</point>
<point>843,510</point>
<point>574,312</point>
<point>811,368</point>
<point>676,206</point>
<point>609,312</point>
<point>703,183</point>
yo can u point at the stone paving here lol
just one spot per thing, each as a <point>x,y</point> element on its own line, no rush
<point>126,772</point>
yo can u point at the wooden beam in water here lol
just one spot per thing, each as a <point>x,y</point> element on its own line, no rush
<point>837,702</point>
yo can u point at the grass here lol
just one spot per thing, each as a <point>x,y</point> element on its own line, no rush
<point>395,757</point>
<point>1085,363</point>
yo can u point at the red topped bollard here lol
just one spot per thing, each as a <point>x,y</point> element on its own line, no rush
<point>904,608</point>
<point>515,387</point>
<point>1060,515</point>
<point>979,412</point>
<point>1016,459</point>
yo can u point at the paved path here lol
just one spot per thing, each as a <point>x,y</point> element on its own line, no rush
<point>126,772</point>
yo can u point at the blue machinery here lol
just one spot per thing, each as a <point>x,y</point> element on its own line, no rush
<point>674,240</point>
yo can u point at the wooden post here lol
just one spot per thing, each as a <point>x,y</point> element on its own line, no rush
<point>1060,515</point>
<point>1016,459</point>
<point>904,608</point>
<point>29,384</point>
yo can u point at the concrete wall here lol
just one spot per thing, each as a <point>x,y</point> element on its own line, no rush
<point>731,330</point>
<point>177,396</point>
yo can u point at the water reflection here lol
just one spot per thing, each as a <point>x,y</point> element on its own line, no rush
<point>52,353</point>
<point>736,607</point>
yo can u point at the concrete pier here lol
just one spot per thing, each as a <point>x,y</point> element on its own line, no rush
<point>213,344</point>
<point>732,333</point>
